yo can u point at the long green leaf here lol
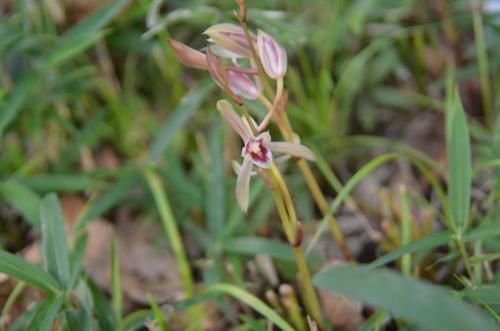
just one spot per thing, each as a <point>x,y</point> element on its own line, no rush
<point>45,313</point>
<point>159,318</point>
<point>102,309</point>
<point>136,320</point>
<point>344,193</point>
<point>97,20</point>
<point>70,47</point>
<point>116,283</point>
<point>429,242</point>
<point>255,245</point>
<point>23,199</point>
<point>214,186</point>
<point>59,182</point>
<point>252,301</point>
<point>112,196</point>
<point>176,121</point>
<point>17,98</point>
<point>459,162</point>
<point>428,306</point>
<point>20,269</point>
<point>425,243</point>
<point>78,320</point>
<point>54,247</point>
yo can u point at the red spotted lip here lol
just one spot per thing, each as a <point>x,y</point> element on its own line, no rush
<point>262,155</point>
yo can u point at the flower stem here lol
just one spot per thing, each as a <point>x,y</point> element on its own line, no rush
<point>288,216</point>
<point>312,184</point>
<point>272,110</point>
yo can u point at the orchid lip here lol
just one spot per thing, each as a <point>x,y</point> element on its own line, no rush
<point>256,149</point>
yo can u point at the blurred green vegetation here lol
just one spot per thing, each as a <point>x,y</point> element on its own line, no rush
<point>91,97</point>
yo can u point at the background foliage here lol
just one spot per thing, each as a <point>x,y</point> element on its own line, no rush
<point>106,140</point>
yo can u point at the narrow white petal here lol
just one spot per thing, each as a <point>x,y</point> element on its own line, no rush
<point>243,184</point>
<point>293,149</point>
<point>237,168</point>
<point>233,119</point>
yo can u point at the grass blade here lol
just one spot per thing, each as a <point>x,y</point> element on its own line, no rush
<point>172,232</point>
<point>102,310</point>
<point>405,230</point>
<point>176,121</point>
<point>116,283</point>
<point>45,313</point>
<point>256,245</point>
<point>252,301</point>
<point>54,247</point>
<point>428,306</point>
<point>109,198</point>
<point>31,274</point>
<point>23,199</point>
<point>426,243</point>
<point>344,193</point>
<point>159,318</point>
<point>214,186</point>
<point>459,160</point>
<point>175,240</point>
<point>429,242</point>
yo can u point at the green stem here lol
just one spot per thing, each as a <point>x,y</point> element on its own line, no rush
<point>313,186</point>
<point>463,252</point>
<point>286,211</point>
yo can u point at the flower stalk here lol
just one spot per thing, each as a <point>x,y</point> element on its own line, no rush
<point>286,130</point>
<point>291,226</point>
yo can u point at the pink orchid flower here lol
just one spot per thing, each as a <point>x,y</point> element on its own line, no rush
<point>257,151</point>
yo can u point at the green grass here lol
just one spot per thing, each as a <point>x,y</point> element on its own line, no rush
<point>396,99</point>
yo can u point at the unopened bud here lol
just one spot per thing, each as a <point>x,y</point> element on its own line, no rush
<point>188,56</point>
<point>272,55</point>
<point>220,75</point>
<point>231,38</point>
<point>244,86</point>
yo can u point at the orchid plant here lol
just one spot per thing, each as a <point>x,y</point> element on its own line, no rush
<point>243,64</point>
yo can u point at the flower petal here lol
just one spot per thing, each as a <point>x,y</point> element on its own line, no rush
<point>188,56</point>
<point>228,113</point>
<point>272,55</point>
<point>220,76</point>
<point>230,37</point>
<point>294,149</point>
<point>243,85</point>
<point>237,168</point>
<point>243,184</point>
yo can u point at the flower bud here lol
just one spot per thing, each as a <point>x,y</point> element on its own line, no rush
<point>218,72</point>
<point>272,55</point>
<point>244,86</point>
<point>188,56</point>
<point>231,38</point>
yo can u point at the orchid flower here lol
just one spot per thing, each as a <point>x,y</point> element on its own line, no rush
<point>231,40</point>
<point>257,151</point>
